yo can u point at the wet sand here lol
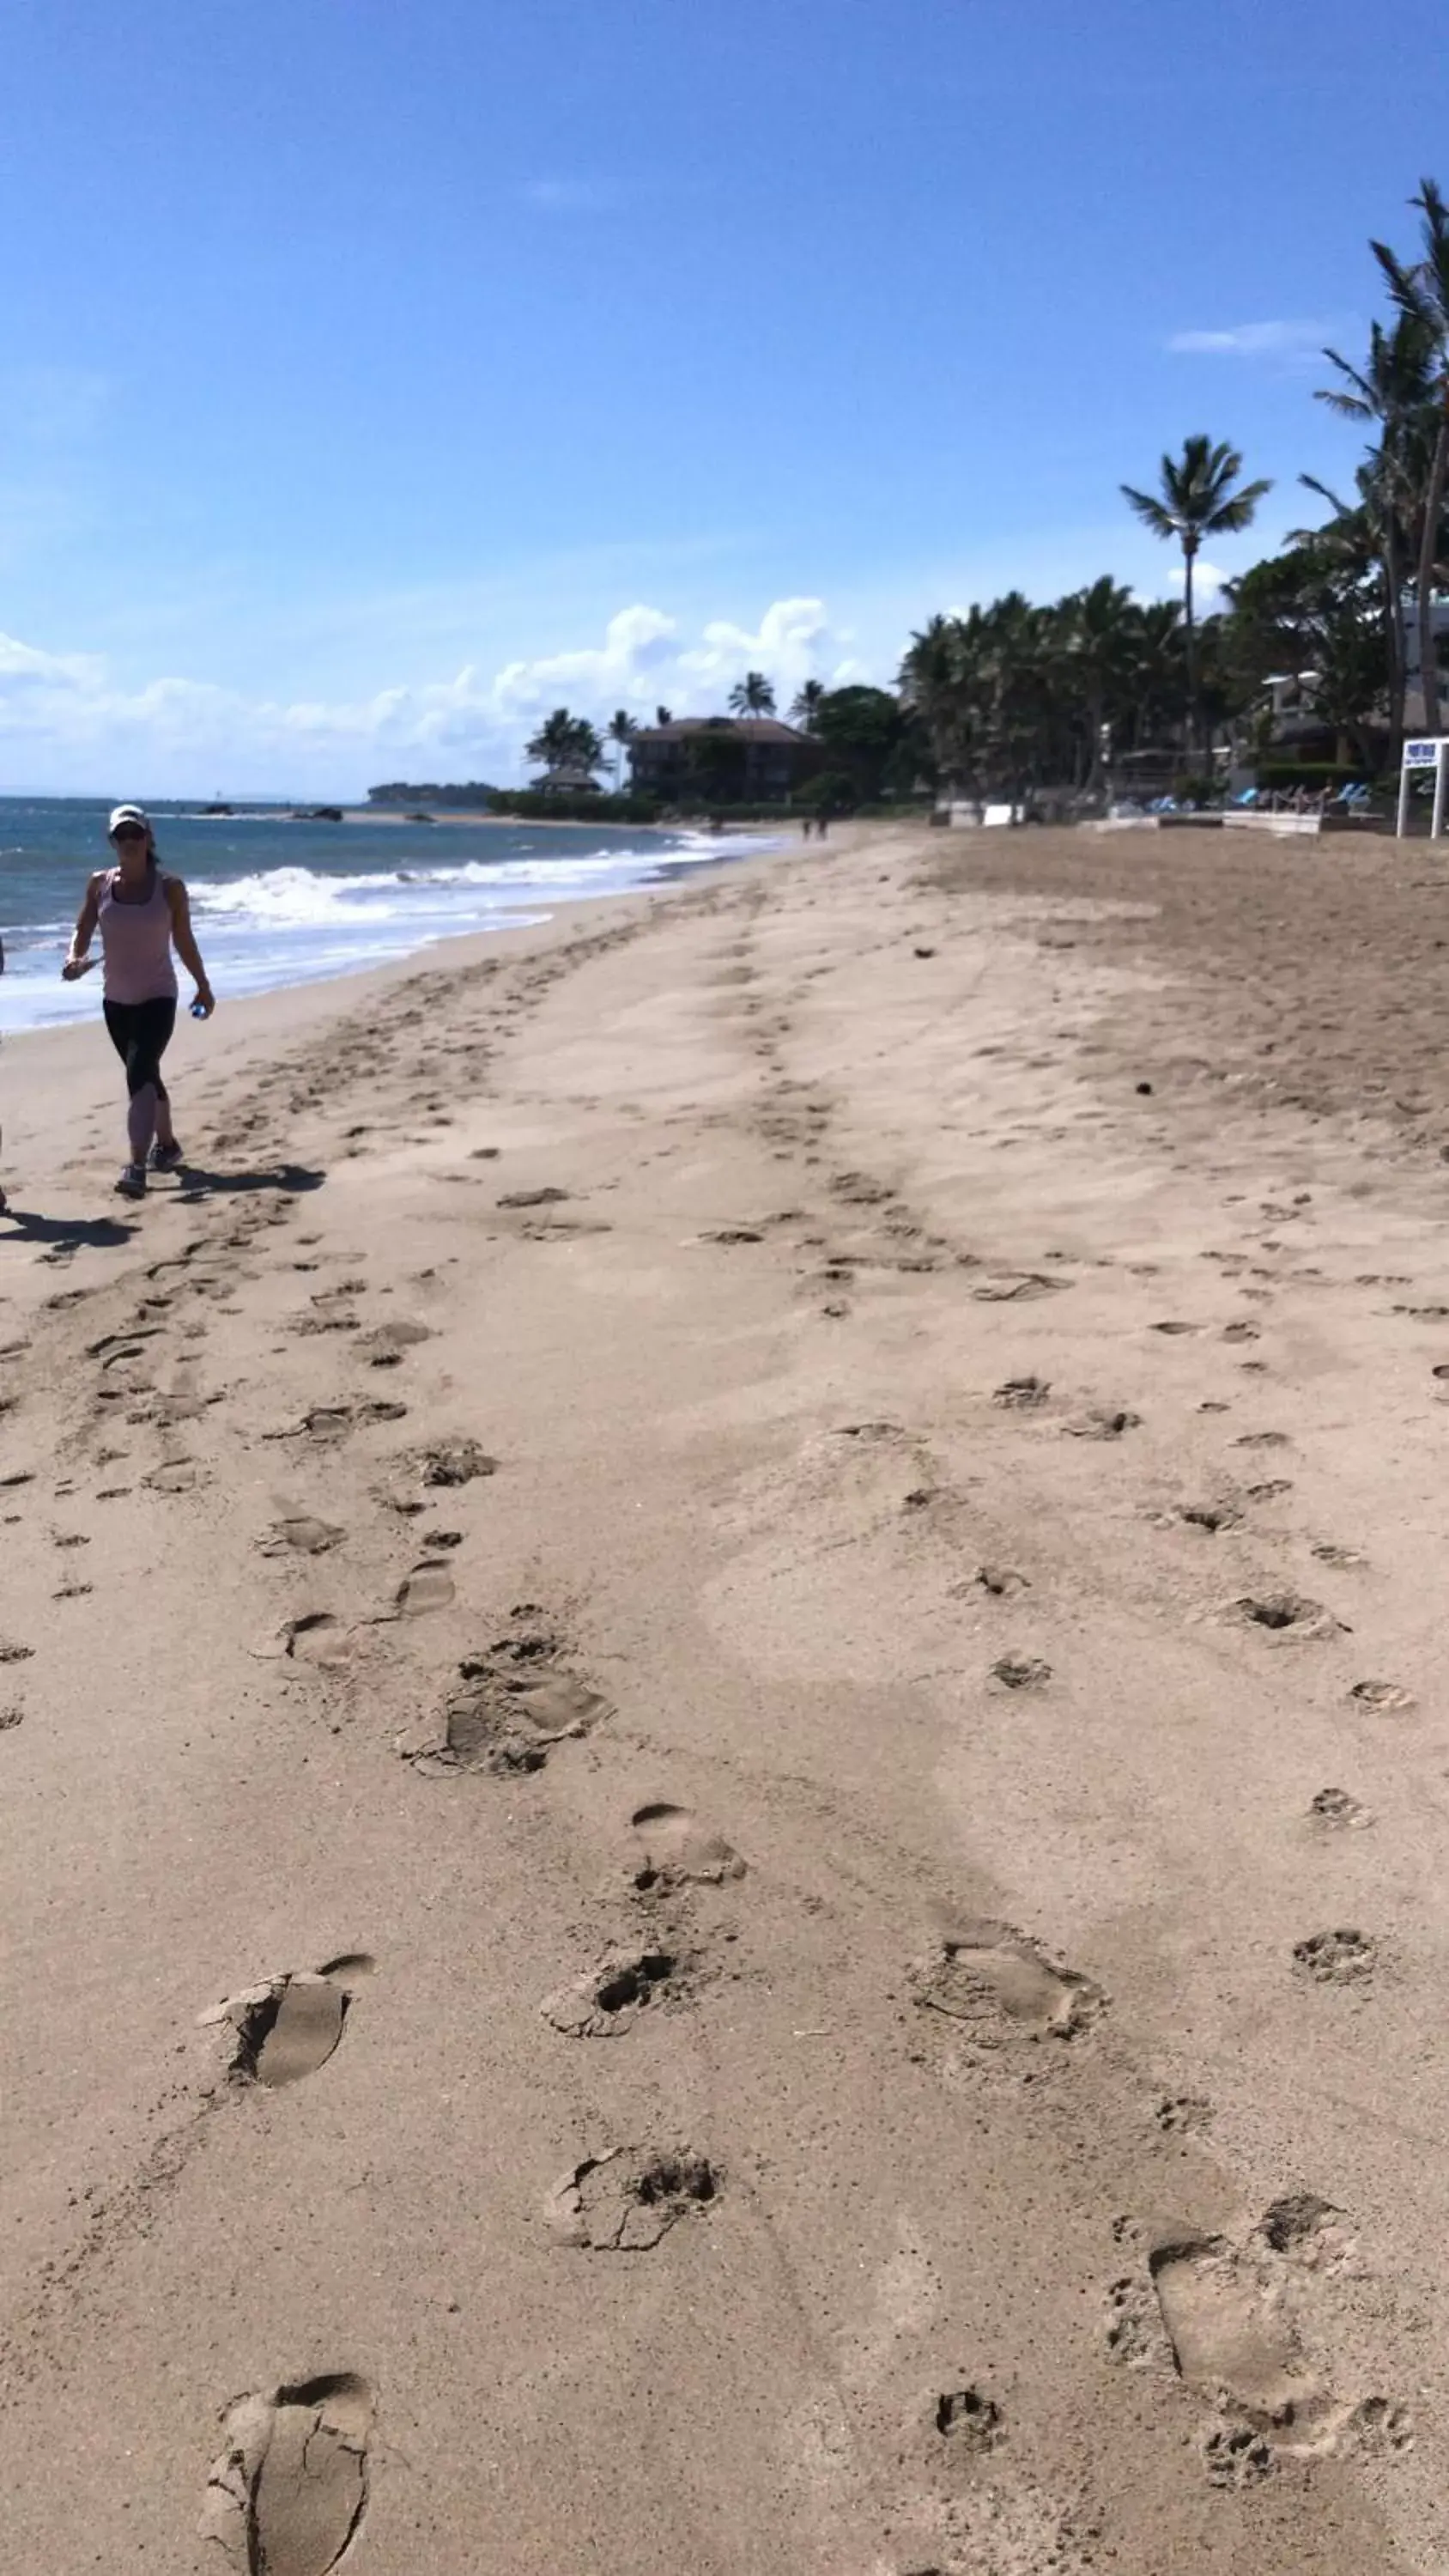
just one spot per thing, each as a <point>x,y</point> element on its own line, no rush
<point>723,1769</point>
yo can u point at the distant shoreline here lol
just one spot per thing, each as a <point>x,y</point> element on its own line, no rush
<point>542,822</point>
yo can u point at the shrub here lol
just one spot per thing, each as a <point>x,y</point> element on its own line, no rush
<point>531,805</point>
<point>834,791</point>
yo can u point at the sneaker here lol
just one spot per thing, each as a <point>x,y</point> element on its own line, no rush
<point>167,1158</point>
<point>132,1183</point>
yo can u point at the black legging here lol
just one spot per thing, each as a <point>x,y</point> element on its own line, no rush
<point>141,1033</point>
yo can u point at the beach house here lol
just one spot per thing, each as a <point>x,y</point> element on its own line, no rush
<point>723,760</point>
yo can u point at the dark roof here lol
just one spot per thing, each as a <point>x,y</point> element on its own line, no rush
<point>748,729</point>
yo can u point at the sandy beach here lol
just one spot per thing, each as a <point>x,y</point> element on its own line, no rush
<point>722,1740</point>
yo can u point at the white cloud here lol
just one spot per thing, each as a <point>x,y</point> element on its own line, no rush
<point>1256,340</point>
<point>1207,582</point>
<point>638,648</point>
<point>67,723</point>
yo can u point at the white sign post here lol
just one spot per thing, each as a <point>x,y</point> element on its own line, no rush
<point>1425,751</point>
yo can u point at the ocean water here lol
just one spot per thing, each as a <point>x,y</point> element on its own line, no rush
<point>282,902</point>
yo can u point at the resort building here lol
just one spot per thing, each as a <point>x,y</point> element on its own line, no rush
<point>722,759</point>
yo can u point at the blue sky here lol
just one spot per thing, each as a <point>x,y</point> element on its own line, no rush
<point>374,378</point>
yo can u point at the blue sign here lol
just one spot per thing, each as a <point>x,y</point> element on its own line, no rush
<point>1425,754</point>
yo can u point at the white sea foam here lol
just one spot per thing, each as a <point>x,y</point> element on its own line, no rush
<point>266,926</point>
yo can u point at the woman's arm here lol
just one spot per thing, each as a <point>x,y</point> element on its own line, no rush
<point>84,932</point>
<point>186,948</point>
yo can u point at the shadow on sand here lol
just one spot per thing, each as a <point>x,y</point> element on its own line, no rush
<point>75,1233</point>
<point>293,1179</point>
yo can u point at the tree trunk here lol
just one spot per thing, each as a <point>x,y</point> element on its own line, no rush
<point>1428,552</point>
<point>1096,719</point>
<point>1188,553</point>
<point>1394,591</point>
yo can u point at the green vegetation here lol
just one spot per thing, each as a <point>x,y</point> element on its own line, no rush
<point>752,696</point>
<point>566,748</point>
<point>1196,499</point>
<point>551,805</point>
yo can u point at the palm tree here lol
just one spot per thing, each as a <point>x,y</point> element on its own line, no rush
<point>565,742</point>
<point>752,696</point>
<point>1421,292</point>
<point>1097,626</point>
<point>663,715</point>
<point>807,704</point>
<point>1394,388</point>
<point>1196,499</point>
<point>622,730</point>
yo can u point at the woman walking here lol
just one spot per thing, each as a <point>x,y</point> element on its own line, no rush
<point>140,911</point>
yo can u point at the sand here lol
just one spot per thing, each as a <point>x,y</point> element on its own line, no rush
<point>723,1777</point>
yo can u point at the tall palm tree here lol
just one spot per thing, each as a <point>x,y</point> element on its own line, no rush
<point>565,742</point>
<point>1196,499</point>
<point>1393,388</point>
<point>752,696</point>
<point>1097,626</point>
<point>622,730</point>
<point>1421,291</point>
<point>664,715</point>
<point>807,704</point>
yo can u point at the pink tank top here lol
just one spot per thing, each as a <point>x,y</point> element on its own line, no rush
<point>136,944</point>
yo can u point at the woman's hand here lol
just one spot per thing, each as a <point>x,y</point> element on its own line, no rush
<point>203,1003</point>
<point>75,967</point>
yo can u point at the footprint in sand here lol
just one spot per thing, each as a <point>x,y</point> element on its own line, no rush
<point>626,2202</point>
<point>1003,1989</point>
<point>1021,1672</point>
<point>287,2494</point>
<point>680,1851</point>
<point>1233,2343</point>
<point>301,1534</point>
<point>517,1701</point>
<point>176,1476</point>
<point>972,2421</point>
<point>1022,1394</point>
<point>1337,1811</point>
<point>1286,1614</point>
<point>1103,1424</point>
<point>384,1347</point>
<point>1341,1958</point>
<point>454,1462</point>
<point>1210,1517</point>
<point>1017,1288</point>
<point>1236,2456</point>
<point>430,1586</point>
<point>999,1580</point>
<point>533,1198</point>
<point>1183,2114</point>
<point>1386,1699</point>
<point>290,2026</point>
<point>315,1637</point>
<point>609,1998</point>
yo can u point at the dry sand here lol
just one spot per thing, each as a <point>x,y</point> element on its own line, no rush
<point>723,1783</point>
